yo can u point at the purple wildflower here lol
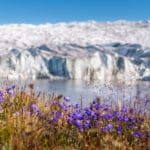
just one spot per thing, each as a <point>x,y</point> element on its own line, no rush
<point>88,112</point>
<point>87,125</point>
<point>108,127</point>
<point>35,108</point>
<point>106,107</point>
<point>13,87</point>
<point>76,106</point>
<point>58,114</point>
<point>141,119</point>
<point>115,112</point>
<point>95,117</point>
<point>46,104</point>
<point>132,120</point>
<point>78,123</point>
<point>97,124</point>
<point>124,109</point>
<point>125,118</point>
<point>137,134</point>
<point>94,102</point>
<point>1,96</point>
<point>64,107</point>
<point>98,106</point>
<point>78,115</point>
<point>148,135</point>
<point>107,116</point>
<point>17,113</point>
<point>55,101</point>
<point>119,117</point>
<point>69,120</point>
<point>119,129</point>
<point>131,125</point>
<point>147,101</point>
<point>10,91</point>
<point>81,130</point>
<point>67,99</point>
<point>52,113</point>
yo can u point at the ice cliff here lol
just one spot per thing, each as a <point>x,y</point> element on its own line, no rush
<point>79,50</point>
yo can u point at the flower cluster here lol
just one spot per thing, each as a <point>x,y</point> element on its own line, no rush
<point>8,91</point>
<point>56,118</point>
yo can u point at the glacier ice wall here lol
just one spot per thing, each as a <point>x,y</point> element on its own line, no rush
<point>81,51</point>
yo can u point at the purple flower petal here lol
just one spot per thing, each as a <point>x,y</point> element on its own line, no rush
<point>46,104</point>
<point>137,134</point>
<point>10,91</point>
<point>147,101</point>
<point>17,113</point>
<point>119,129</point>
<point>67,99</point>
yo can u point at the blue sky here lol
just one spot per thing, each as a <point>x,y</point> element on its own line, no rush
<point>43,11</point>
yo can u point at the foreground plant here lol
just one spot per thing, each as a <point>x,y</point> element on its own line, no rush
<point>29,122</point>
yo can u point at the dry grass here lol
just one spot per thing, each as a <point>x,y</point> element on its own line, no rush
<point>28,122</point>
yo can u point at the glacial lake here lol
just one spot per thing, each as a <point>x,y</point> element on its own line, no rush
<point>109,92</point>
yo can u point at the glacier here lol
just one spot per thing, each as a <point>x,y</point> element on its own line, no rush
<point>101,51</point>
